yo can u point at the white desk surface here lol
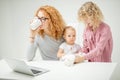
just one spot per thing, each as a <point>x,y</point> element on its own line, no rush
<point>58,71</point>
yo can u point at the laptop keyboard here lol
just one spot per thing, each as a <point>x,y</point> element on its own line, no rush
<point>35,71</point>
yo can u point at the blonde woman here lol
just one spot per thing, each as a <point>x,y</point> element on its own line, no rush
<point>47,36</point>
<point>98,42</point>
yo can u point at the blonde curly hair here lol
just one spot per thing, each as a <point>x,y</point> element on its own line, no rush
<point>90,10</point>
<point>57,23</point>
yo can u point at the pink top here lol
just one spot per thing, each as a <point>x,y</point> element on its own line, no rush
<point>98,45</point>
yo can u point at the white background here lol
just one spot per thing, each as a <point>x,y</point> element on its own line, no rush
<point>16,14</point>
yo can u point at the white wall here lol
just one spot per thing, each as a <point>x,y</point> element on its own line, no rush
<point>16,14</point>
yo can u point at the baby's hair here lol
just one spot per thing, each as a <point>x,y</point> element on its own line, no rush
<point>68,27</point>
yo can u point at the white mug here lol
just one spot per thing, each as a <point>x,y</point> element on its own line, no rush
<point>35,23</point>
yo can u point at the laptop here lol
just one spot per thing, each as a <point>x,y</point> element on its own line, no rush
<point>20,66</point>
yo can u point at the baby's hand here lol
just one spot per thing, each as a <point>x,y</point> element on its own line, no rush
<point>68,59</point>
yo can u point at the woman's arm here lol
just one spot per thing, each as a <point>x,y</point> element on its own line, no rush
<point>84,49</point>
<point>79,59</point>
<point>31,50</point>
<point>100,45</point>
<point>32,35</point>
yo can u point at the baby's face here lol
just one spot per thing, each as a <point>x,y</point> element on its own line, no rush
<point>70,36</point>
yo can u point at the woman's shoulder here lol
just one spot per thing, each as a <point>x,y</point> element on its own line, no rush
<point>104,28</point>
<point>104,25</point>
<point>45,37</point>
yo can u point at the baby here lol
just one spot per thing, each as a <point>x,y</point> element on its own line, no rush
<point>68,50</point>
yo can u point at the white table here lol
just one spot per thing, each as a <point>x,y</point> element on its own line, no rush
<point>58,71</point>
